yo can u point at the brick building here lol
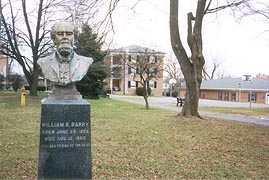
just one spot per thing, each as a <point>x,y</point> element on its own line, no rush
<point>3,64</point>
<point>235,89</point>
<point>3,68</point>
<point>123,79</point>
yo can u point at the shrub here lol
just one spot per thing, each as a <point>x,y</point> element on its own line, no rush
<point>39,88</point>
<point>140,91</point>
<point>174,93</point>
<point>167,93</point>
<point>17,82</point>
<point>92,85</point>
<point>2,78</point>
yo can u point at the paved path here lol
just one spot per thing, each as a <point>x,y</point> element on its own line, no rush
<point>169,103</point>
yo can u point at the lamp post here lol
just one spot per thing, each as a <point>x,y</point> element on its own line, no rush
<point>250,94</point>
<point>247,77</point>
<point>111,82</point>
<point>239,94</point>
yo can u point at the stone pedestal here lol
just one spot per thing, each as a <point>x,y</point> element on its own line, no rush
<point>65,140</point>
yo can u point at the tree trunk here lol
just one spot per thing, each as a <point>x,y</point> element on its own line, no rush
<point>146,101</point>
<point>34,84</point>
<point>190,107</point>
<point>146,95</point>
<point>191,67</point>
<point>30,38</point>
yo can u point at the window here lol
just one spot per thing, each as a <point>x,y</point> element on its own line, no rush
<point>152,84</point>
<point>137,70</point>
<point>116,60</point>
<point>152,59</point>
<point>137,58</point>
<point>219,95</point>
<point>152,71</point>
<point>131,58</point>
<point>116,72</point>
<point>226,96</point>
<point>233,96</point>
<point>132,84</point>
<point>132,70</point>
<point>155,71</point>
<point>252,97</point>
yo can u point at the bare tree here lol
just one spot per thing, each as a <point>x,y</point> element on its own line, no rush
<point>145,68</point>
<point>85,12</point>
<point>22,33</point>
<point>192,67</point>
<point>172,69</point>
<point>214,70</point>
<point>26,28</point>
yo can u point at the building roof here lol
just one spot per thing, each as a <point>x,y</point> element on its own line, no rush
<point>136,49</point>
<point>257,84</point>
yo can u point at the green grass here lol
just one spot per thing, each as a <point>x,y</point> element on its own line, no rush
<point>255,112</point>
<point>129,142</point>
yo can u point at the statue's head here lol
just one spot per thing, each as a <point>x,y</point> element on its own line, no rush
<point>63,33</point>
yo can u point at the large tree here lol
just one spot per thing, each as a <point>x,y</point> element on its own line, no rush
<point>214,70</point>
<point>23,33</point>
<point>26,27</point>
<point>192,65</point>
<point>172,69</point>
<point>90,45</point>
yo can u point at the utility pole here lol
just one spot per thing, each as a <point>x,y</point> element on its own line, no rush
<point>248,77</point>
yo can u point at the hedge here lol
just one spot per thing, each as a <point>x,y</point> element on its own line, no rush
<point>140,91</point>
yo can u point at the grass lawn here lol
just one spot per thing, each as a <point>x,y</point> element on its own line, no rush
<point>129,142</point>
<point>254,112</point>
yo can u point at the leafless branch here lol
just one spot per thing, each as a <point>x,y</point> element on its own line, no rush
<point>228,5</point>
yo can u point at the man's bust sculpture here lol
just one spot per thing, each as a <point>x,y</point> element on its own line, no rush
<point>64,67</point>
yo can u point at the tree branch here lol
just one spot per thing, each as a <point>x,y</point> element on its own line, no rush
<point>228,5</point>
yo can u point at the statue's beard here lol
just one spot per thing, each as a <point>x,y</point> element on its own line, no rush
<point>65,49</point>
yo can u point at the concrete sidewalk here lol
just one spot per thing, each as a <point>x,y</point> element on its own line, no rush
<point>169,103</point>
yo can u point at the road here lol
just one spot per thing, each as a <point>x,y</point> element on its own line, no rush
<point>169,103</point>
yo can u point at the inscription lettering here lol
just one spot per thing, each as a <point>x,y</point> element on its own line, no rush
<point>73,131</point>
<point>84,131</point>
<point>67,124</point>
<point>50,138</point>
<point>62,132</point>
<point>80,138</point>
<point>79,124</point>
<point>65,134</point>
<point>47,132</point>
<point>53,124</point>
<point>64,138</point>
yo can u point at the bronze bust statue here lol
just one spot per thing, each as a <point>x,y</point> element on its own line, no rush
<point>64,67</point>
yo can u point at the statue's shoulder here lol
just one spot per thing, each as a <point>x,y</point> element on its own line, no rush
<point>46,59</point>
<point>84,59</point>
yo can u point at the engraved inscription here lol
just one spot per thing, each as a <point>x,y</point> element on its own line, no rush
<point>65,134</point>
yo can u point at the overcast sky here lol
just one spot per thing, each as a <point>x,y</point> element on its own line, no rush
<point>242,47</point>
